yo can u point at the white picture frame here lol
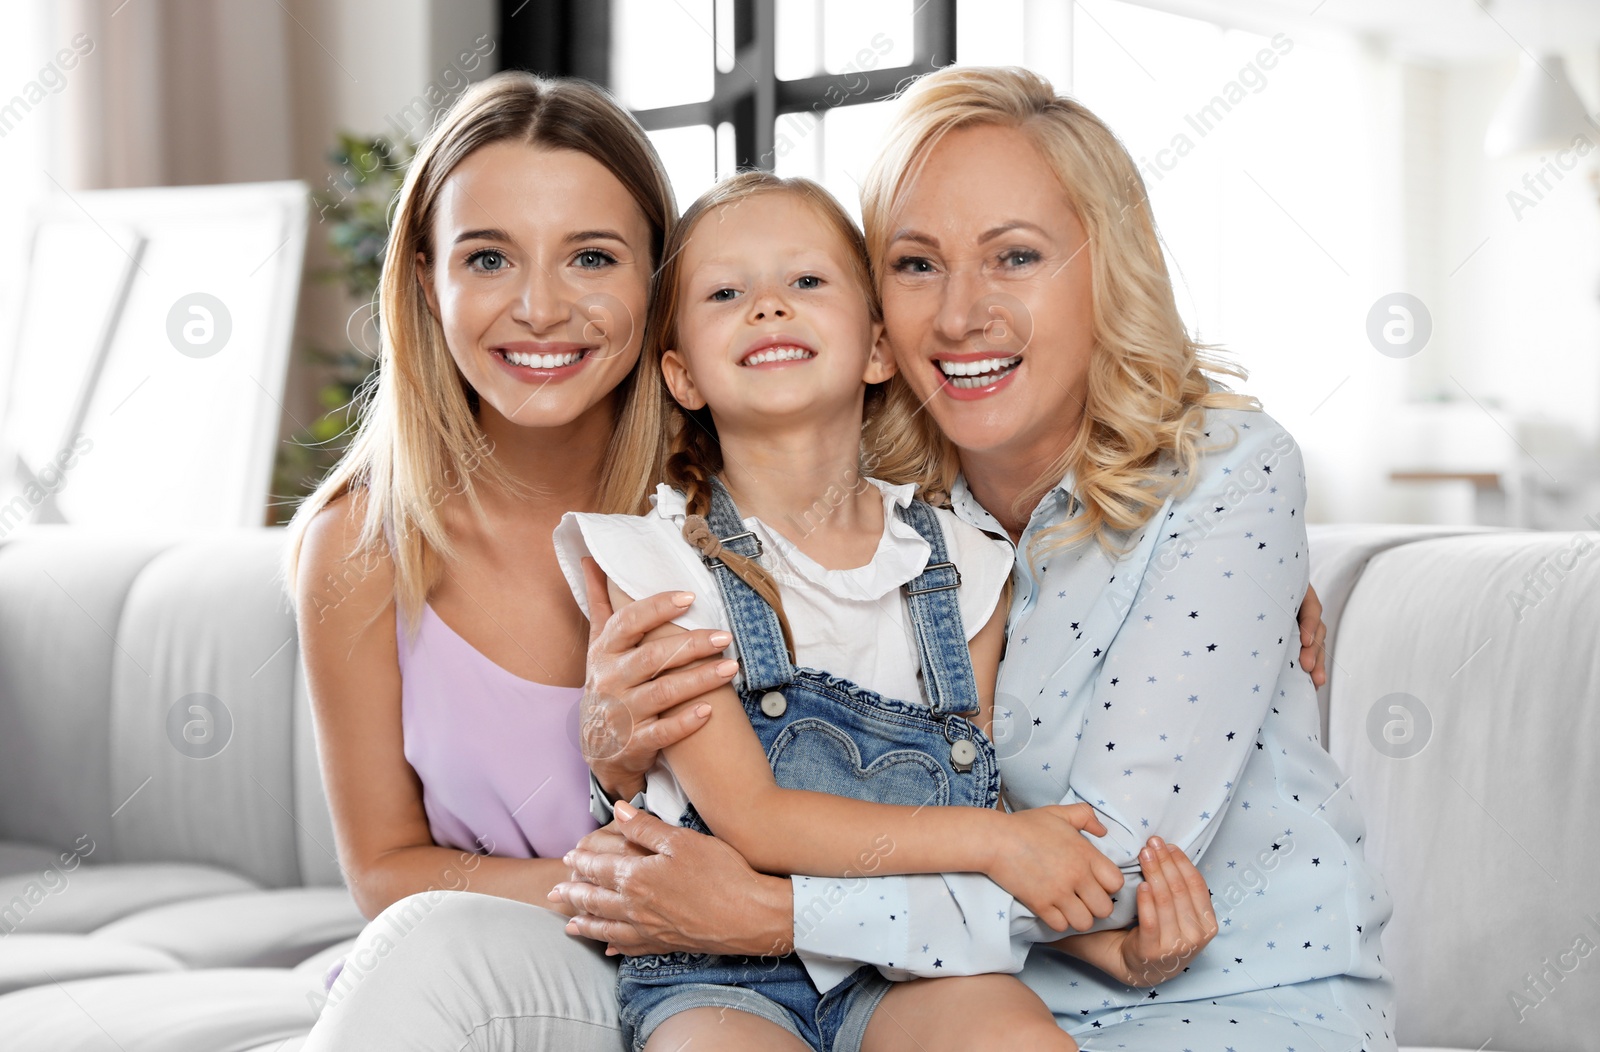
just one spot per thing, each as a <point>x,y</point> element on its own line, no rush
<point>145,381</point>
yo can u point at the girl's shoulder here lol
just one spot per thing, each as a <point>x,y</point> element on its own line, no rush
<point>640,554</point>
<point>984,563</point>
<point>965,542</point>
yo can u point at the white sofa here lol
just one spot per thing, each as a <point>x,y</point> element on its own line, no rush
<point>154,895</point>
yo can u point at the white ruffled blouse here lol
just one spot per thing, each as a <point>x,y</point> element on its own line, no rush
<point>852,622</point>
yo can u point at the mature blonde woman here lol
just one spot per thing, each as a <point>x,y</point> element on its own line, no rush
<point>1152,668</point>
<point>443,649</point>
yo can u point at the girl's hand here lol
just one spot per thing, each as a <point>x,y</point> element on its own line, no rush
<point>1176,922</point>
<point>628,685</point>
<point>1313,636</point>
<point>1044,860</point>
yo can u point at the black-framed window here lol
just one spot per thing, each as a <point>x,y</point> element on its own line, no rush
<point>793,86</point>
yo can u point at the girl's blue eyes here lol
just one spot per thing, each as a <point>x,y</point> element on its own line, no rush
<point>593,259</point>
<point>805,282</point>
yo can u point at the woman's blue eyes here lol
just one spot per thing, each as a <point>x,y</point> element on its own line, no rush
<point>492,260</point>
<point>1012,259</point>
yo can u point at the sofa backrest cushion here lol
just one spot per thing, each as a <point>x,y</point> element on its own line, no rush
<point>62,594</point>
<point>151,695</point>
<point>1466,714</point>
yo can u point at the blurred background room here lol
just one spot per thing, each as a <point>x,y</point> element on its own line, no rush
<point>1387,212</point>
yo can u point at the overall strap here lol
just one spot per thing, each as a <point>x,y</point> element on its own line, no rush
<point>763,658</point>
<point>936,619</point>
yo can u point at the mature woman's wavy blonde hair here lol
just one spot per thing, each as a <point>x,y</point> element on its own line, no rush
<point>419,441</point>
<point>1149,383</point>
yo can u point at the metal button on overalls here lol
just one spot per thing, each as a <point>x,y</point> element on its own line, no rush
<point>962,752</point>
<point>773,703</point>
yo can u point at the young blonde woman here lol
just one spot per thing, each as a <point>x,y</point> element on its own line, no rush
<point>1152,667</point>
<point>443,650</point>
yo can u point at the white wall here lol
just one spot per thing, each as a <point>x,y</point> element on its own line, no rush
<point>363,66</point>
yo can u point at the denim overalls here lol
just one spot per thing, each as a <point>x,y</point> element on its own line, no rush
<point>826,734</point>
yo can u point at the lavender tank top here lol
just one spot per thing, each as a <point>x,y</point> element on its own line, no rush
<point>497,754</point>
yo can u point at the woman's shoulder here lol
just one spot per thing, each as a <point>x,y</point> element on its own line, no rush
<point>336,575</point>
<point>1246,462</point>
<point>331,543</point>
<point>1237,441</point>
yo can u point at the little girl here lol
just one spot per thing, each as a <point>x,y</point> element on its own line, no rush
<point>866,680</point>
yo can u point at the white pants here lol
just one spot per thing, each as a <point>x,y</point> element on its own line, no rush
<point>453,970</point>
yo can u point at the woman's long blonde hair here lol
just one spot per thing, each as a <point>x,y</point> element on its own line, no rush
<point>1149,382</point>
<point>418,440</point>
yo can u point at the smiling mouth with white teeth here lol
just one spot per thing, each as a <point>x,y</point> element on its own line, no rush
<point>981,373</point>
<point>543,361</point>
<point>768,355</point>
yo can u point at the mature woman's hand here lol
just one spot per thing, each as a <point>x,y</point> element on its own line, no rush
<point>1313,634</point>
<point>628,686</point>
<point>1176,921</point>
<point>642,886</point>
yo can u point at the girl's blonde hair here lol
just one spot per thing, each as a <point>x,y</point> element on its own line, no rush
<point>695,456</point>
<point>1149,383</point>
<point>418,440</point>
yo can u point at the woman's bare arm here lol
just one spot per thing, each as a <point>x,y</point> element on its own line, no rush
<point>346,617</point>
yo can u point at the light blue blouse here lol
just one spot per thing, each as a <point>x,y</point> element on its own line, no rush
<point>1162,686</point>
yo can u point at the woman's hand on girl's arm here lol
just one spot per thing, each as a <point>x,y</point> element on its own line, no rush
<point>1176,922</point>
<point>629,687</point>
<point>642,886</point>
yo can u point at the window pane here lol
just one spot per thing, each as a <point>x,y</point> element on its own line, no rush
<point>690,156</point>
<point>661,53</point>
<point>797,146</point>
<point>989,32</point>
<point>799,32</point>
<point>835,148</point>
<point>842,36</point>
<point>857,36</point>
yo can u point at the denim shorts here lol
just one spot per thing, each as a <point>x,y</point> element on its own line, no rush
<point>774,988</point>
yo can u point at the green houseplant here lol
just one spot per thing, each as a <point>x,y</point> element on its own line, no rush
<point>354,207</point>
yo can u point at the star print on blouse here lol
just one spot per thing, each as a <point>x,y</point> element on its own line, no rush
<point>1181,689</point>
